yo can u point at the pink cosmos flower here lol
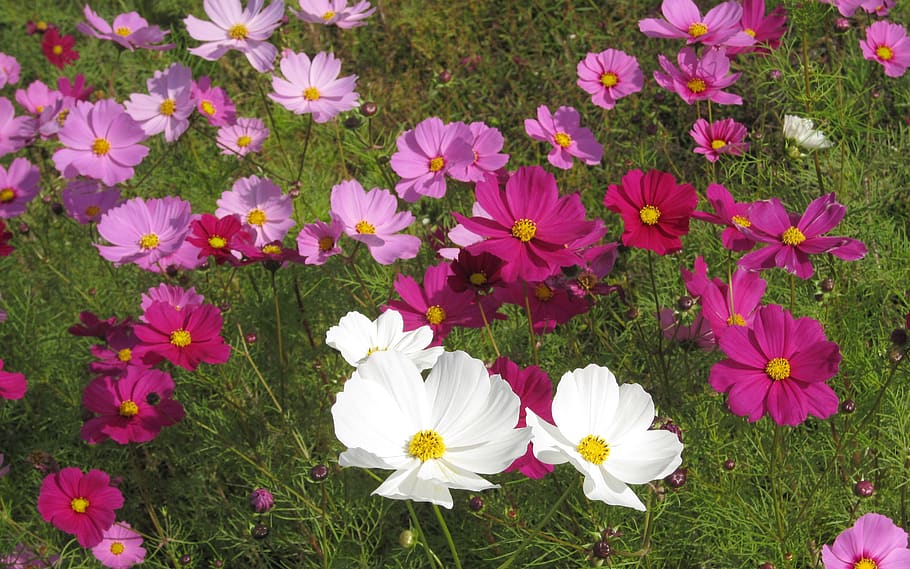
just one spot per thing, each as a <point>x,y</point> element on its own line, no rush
<point>79,504</point>
<point>185,337</point>
<point>168,105</point>
<point>427,153</point>
<point>486,143</point>
<point>186,257</point>
<point>564,131</point>
<point>12,385</point>
<point>534,388</point>
<point>478,273</point>
<point>765,29</point>
<point>848,8</point>
<point>76,89</point>
<point>654,210</point>
<point>120,547</point>
<point>434,304</point>
<point>23,557</point>
<point>91,325</point>
<point>874,542</point>
<point>116,355</point>
<point>719,137</point>
<point>174,296</point>
<point>246,31</point>
<point>144,231</point>
<point>15,132</point>
<point>550,302</point>
<point>129,31</point>
<point>18,186</point>
<point>372,218</point>
<point>216,236</point>
<point>529,224</point>
<point>318,241</point>
<point>698,334</point>
<point>778,367</point>
<point>314,87</point>
<point>608,76</point>
<point>132,409</point>
<point>792,238</point>
<point>720,26</point>
<point>100,141</point>
<point>334,12</point>
<point>699,79</point>
<point>725,305</point>
<point>9,70</point>
<point>36,97</point>
<point>87,200</point>
<point>887,44</point>
<point>244,136</point>
<point>733,214</point>
<point>213,103</point>
<point>261,205</point>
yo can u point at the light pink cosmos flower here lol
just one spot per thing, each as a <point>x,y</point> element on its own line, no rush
<point>873,542</point>
<point>848,8</point>
<point>427,153</point>
<point>261,205</point>
<point>9,70</point>
<point>318,241</point>
<point>15,132</point>
<point>334,12</point>
<point>564,131</point>
<point>719,137</point>
<point>120,547</point>
<point>100,141</point>
<point>87,200</point>
<point>699,79</point>
<point>174,296</point>
<point>168,105</point>
<point>372,218</point>
<point>608,76</point>
<point>129,31</point>
<point>246,31</point>
<point>486,143</point>
<point>144,231</point>
<point>314,86</point>
<point>213,103</point>
<point>887,44</point>
<point>36,97</point>
<point>720,26</point>
<point>244,136</point>
<point>18,186</point>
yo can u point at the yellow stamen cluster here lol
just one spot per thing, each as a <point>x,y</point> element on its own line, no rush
<point>328,15</point>
<point>271,249</point>
<point>426,445</point>
<point>865,563</point>
<point>778,369</point>
<point>326,244</point>
<point>167,107</point>
<point>736,320</point>
<point>238,32</point>
<point>649,215</point>
<point>117,548</point>
<point>208,107</point>
<point>125,355</point>
<point>364,227</point>
<point>437,164</point>
<point>101,146</point>
<point>92,210</point>
<point>7,195</point>
<point>562,139</point>
<point>717,144</point>
<point>741,221</point>
<point>884,53</point>
<point>128,408</point>
<point>256,217</point>
<point>792,236</point>
<point>57,49</point>
<point>609,79</point>
<point>478,279</point>
<point>698,29</point>
<point>79,505</point>
<point>543,293</point>
<point>181,338</point>
<point>123,31</point>
<point>244,141</point>
<point>149,241</point>
<point>311,94</point>
<point>594,449</point>
<point>696,85</point>
<point>524,230</point>
<point>435,314</point>
<point>217,242</point>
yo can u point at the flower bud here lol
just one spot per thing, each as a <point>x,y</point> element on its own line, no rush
<point>261,500</point>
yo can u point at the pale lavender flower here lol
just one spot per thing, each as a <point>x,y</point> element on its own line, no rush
<point>261,205</point>
<point>244,136</point>
<point>36,97</point>
<point>334,12</point>
<point>87,200</point>
<point>314,87</point>
<point>486,144</point>
<point>426,154</point>
<point>9,70</point>
<point>318,241</point>
<point>246,31</point>
<point>129,31</point>
<point>144,231</point>
<point>564,131</point>
<point>168,105</point>
<point>15,132</point>
<point>18,186</point>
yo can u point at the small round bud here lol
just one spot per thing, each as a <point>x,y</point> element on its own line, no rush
<point>774,74</point>
<point>848,406</point>
<point>864,489</point>
<point>475,504</point>
<point>677,478</point>
<point>899,337</point>
<point>445,76</point>
<point>819,297</point>
<point>632,313</point>
<point>842,24</point>
<point>294,193</point>
<point>876,94</point>
<point>512,513</point>
<point>217,563</point>
<point>352,122</point>
<point>895,355</point>
<point>602,549</point>
<point>23,228</point>
<point>788,556</point>
<point>260,531</point>
<point>171,271</point>
<point>319,473</point>
<point>224,307</point>
<point>729,464</point>
<point>185,559</point>
<point>250,337</point>
<point>369,109</point>
<point>407,539</point>
<point>684,303</point>
<point>57,208</point>
<point>261,500</point>
<point>382,160</point>
<point>651,129</point>
<point>827,284</point>
<point>768,565</point>
<point>92,291</point>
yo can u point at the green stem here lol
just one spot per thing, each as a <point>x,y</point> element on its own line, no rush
<point>776,456</point>
<point>431,557</point>
<point>808,86</point>
<point>660,332</point>
<point>306,145</point>
<point>344,166</point>
<point>556,505</point>
<point>486,325</point>
<point>282,362</point>
<point>448,534</point>
<point>533,340</point>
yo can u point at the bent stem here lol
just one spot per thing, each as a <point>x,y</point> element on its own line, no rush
<point>556,505</point>
<point>448,534</point>
<point>486,325</point>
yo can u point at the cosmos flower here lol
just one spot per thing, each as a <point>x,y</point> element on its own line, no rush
<point>802,131</point>
<point>358,338</point>
<point>185,337</point>
<point>766,30</point>
<point>725,305</point>
<point>12,385</point>
<point>79,503</point>
<point>58,49</point>
<point>486,144</point>
<point>168,105</point>
<point>608,76</point>
<point>697,334</point>
<point>318,241</point>
<point>174,296</point>
<point>334,12</point>
<point>730,213</point>
<point>719,137</point>
<point>549,302</point>
<point>246,31</point>
<point>887,44</point>
<point>129,31</point>
<point>563,130</point>
<point>216,236</point>
<point>699,79</point>
<point>683,20</point>
<point>87,200</point>
<point>244,136</point>
<point>261,205</point>
<point>18,186</point>
<point>427,153</point>
<point>116,355</point>
<point>24,557</point>
<point>120,547</point>
<point>9,70</point>
<point>874,542</point>
<point>37,96</point>
<point>144,231</point>
<point>15,132</point>
<point>314,86</point>
<point>213,102</point>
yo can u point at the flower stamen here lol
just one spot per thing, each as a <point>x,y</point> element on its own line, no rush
<point>524,229</point>
<point>778,369</point>
<point>649,215</point>
<point>594,449</point>
<point>426,445</point>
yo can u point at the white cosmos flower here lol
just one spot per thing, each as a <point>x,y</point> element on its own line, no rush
<point>435,435</point>
<point>603,429</point>
<point>357,338</point>
<point>802,131</point>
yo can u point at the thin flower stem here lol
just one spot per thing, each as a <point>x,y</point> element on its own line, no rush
<point>792,292</point>
<point>649,525</point>
<point>268,112</point>
<point>147,498</point>
<point>359,276</point>
<point>660,333</point>
<point>556,505</point>
<point>421,537</point>
<point>256,372</point>
<point>531,327</point>
<point>486,325</point>
<point>306,145</point>
<point>344,166</point>
<point>448,534</point>
<point>808,85</point>
<point>777,458</point>
<point>282,361</point>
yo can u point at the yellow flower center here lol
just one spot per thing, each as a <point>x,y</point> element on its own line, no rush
<point>524,229</point>
<point>117,548</point>
<point>562,139</point>
<point>238,32</point>
<point>128,408</point>
<point>101,146</point>
<point>7,195</point>
<point>718,144</point>
<point>167,107</point>
<point>92,210</point>
<point>543,292</point>
<point>123,31</point>
<point>426,445</point>
<point>696,85</point>
<point>79,505</point>
<point>375,349</point>
<point>311,94</point>
<point>364,227</point>
<point>326,244</point>
<point>792,236</point>
<point>217,242</point>
<point>649,215</point>
<point>478,279</point>
<point>61,116</point>
<point>750,31</point>
<point>40,109</point>
<point>181,338</point>
<point>593,449</point>
<point>778,369</point>
<point>148,241</point>
<point>328,15</point>
<point>435,314</point>
<point>208,107</point>
<point>698,29</point>
<point>271,249</point>
<point>884,53</point>
<point>736,320</point>
<point>865,563</point>
<point>244,141</point>
<point>125,355</point>
<point>609,79</point>
<point>256,217</point>
<point>436,164</point>
<point>41,26</point>
<point>57,49</point>
<point>741,221</point>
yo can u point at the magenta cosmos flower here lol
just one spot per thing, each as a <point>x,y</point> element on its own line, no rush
<point>18,186</point>
<point>550,302</point>
<point>608,76</point>
<point>15,132</point>
<point>529,224</point>
<point>731,213</point>
<point>874,542</point>
<point>318,241</point>
<point>185,337</point>
<point>427,153</point>
<point>699,79</point>
<point>887,44</point>
<point>244,136</point>
<point>79,504</point>
<point>213,103</point>
<point>778,367</point>
<point>129,31</point>
<point>314,86</point>
<point>765,29</point>
<point>120,547</point>
<point>261,205</point>
<point>100,141</point>
<point>719,137</point>
<point>683,20</point>
<point>564,131</point>
<point>725,305</point>
<point>144,231</point>
<point>87,200</point>
<point>168,105</point>
<point>654,209</point>
<point>12,385</point>
<point>131,409</point>
<point>334,12</point>
<point>486,143</point>
<point>372,218</point>
<point>791,238</point>
<point>217,236</point>
<point>697,334</point>
<point>246,31</point>
<point>9,70</point>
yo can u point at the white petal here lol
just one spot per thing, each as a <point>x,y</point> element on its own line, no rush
<point>404,485</point>
<point>457,388</point>
<point>365,459</point>
<point>599,485</point>
<point>645,456</point>
<point>351,337</point>
<point>367,416</point>
<point>550,445</point>
<point>402,380</point>
<point>585,402</point>
<point>634,414</point>
<point>493,456</point>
